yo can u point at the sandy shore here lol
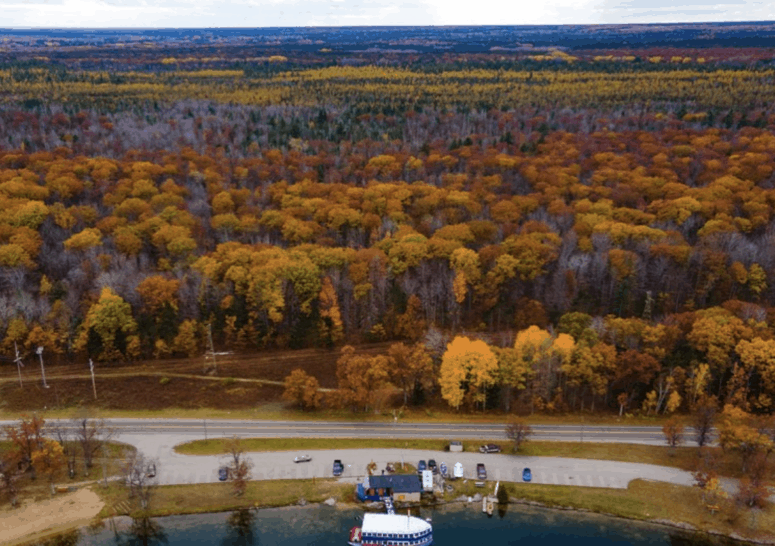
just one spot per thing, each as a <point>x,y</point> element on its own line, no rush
<point>36,520</point>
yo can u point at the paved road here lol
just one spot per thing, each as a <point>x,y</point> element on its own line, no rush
<point>199,428</point>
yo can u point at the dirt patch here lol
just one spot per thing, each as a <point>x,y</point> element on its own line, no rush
<point>139,393</point>
<point>37,520</point>
<point>273,365</point>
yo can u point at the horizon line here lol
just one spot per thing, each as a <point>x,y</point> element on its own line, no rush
<point>673,23</point>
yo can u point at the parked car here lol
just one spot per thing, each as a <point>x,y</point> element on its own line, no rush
<point>421,466</point>
<point>302,459</point>
<point>223,474</point>
<point>338,467</point>
<point>481,472</point>
<point>457,471</point>
<point>526,475</point>
<point>432,466</point>
<point>150,472</point>
<point>490,448</point>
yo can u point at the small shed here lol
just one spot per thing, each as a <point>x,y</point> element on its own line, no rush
<point>402,487</point>
<point>456,446</point>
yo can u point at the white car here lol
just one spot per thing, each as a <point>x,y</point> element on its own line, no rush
<point>302,459</point>
<point>457,471</point>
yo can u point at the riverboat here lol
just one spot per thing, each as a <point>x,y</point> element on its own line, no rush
<point>391,530</point>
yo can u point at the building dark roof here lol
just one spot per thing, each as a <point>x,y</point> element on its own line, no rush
<point>401,483</point>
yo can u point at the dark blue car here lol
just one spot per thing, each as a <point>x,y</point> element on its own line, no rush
<point>223,473</point>
<point>526,475</point>
<point>421,466</point>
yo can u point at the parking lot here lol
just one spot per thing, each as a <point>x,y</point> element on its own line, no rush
<point>174,468</point>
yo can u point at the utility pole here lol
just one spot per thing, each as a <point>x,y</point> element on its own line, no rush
<point>210,349</point>
<point>93,384</point>
<point>19,364</point>
<point>42,370</point>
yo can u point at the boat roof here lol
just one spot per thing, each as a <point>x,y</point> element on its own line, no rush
<point>393,523</point>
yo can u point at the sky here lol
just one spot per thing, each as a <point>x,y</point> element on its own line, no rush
<point>303,13</point>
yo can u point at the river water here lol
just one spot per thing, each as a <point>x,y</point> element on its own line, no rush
<point>320,525</point>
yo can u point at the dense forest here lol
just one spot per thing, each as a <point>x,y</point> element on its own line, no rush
<point>599,229</point>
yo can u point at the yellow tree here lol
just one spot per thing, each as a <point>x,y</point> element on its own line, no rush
<point>157,291</point>
<point>108,332</point>
<point>86,239</point>
<point>591,368</point>
<point>512,372</point>
<point>330,324</point>
<point>467,368</point>
<point>49,459</point>
<point>736,431</point>
<point>716,332</point>
<point>362,380</point>
<point>465,263</point>
<point>544,356</point>
<point>187,340</point>
<point>758,356</point>
<point>411,367</point>
<point>302,389</point>
<point>160,310</point>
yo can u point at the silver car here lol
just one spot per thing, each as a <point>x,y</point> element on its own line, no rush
<point>302,459</point>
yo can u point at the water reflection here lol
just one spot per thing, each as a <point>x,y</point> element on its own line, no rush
<point>322,525</point>
<point>142,532</point>
<point>700,539</point>
<point>70,538</point>
<point>239,528</point>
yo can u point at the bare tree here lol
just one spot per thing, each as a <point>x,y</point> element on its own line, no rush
<point>238,464</point>
<point>26,438</point>
<point>92,435</point>
<point>140,477</point>
<point>702,419</point>
<point>518,432</point>
<point>752,490</point>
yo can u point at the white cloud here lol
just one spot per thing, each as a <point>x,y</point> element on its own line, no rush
<point>263,13</point>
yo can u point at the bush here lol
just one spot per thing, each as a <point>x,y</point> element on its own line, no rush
<point>164,380</point>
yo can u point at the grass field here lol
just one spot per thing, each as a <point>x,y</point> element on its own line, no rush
<point>218,497</point>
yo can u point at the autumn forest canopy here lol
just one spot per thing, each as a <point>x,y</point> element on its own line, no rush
<point>544,230</point>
